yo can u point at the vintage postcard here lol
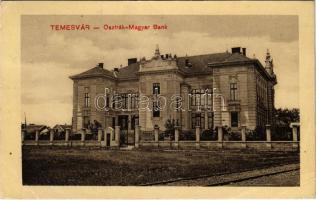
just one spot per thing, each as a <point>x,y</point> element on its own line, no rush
<point>157,100</point>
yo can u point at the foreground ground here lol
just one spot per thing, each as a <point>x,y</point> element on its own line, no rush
<point>57,166</point>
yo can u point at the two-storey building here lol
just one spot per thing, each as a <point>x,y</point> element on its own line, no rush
<point>204,90</point>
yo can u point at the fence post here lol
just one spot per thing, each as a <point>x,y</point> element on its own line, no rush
<point>220,136</point>
<point>99,135</point>
<point>137,129</point>
<point>294,131</point>
<point>105,138</point>
<point>36,136</point>
<point>51,136</point>
<point>83,136</point>
<point>176,137</point>
<point>67,135</point>
<point>197,136</point>
<point>117,135</point>
<point>295,136</point>
<point>268,135</point>
<point>156,133</point>
<point>243,136</point>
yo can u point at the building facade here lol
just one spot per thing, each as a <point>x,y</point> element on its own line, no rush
<point>221,89</point>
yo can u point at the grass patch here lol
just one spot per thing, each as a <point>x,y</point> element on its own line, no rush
<point>62,166</point>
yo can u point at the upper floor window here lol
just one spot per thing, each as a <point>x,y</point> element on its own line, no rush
<point>86,97</point>
<point>201,97</point>
<point>233,91</point>
<point>125,101</point>
<point>86,100</point>
<point>134,101</point>
<point>156,88</point>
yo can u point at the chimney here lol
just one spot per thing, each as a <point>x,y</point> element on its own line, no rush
<point>236,50</point>
<point>244,51</point>
<point>116,69</point>
<point>167,56</point>
<point>187,63</point>
<point>131,61</point>
<point>100,65</point>
<point>162,57</point>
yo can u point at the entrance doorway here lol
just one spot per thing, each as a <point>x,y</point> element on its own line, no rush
<point>123,123</point>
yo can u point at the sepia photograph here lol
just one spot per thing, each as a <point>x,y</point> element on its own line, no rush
<point>160,100</point>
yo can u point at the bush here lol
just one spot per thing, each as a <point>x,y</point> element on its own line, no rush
<point>166,135</point>
<point>169,126</point>
<point>210,135</point>
<point>44,136</point>
<point>59,136</point>
<point>91,136</point>
<point>29,136</point>
<point>75,136</point>
<point>230,135</point>
<point>256,135</point>
<point>234,136</point>
<point>186,135</point>
<point>282,133</point>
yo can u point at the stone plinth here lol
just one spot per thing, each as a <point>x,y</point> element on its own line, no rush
<point>268,135</point>
<point>197,136</point>
<point>137,130</point>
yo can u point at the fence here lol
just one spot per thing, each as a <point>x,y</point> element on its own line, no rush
<point>178,139</point>
<point>210,140</point>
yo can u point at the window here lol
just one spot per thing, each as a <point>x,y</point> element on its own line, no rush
<point>200,97</point>
<point>197,119</point>
<point>233,91</point>
<point>107,102</point>
<point>156,88</point>
<point>86,97</point>
<point>120,101</point>
<point>124,101</point>
<point>178,101</point>
<point>86,100</point>
<point>134,121</point>
<point>234,119</point>
<point>156,109</point>
<point>113,122</point>
<point>86,119</point>
<point>134,101</point>
<point>210,120</point>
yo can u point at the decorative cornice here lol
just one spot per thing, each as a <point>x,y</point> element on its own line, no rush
<point>92,76</point>
<point>161,72</point>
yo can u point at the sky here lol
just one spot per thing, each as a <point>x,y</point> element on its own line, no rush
<point>49,57</point>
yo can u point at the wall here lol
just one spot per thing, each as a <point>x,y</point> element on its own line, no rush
<point>96,86</point>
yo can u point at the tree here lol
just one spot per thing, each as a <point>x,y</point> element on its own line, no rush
<point>285,116</point>
<point>283,119</point>
<point>170,126</point>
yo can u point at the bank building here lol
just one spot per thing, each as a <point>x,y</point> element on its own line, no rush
<point>239,92</point>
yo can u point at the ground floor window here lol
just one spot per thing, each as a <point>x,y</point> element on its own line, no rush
<point>156,109</point>
<point>210,120</point>
<point>234,119</point>
<point>198,119</point>
<point>86,121</point>
<point>134,121</point>
<point>113,122</point>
